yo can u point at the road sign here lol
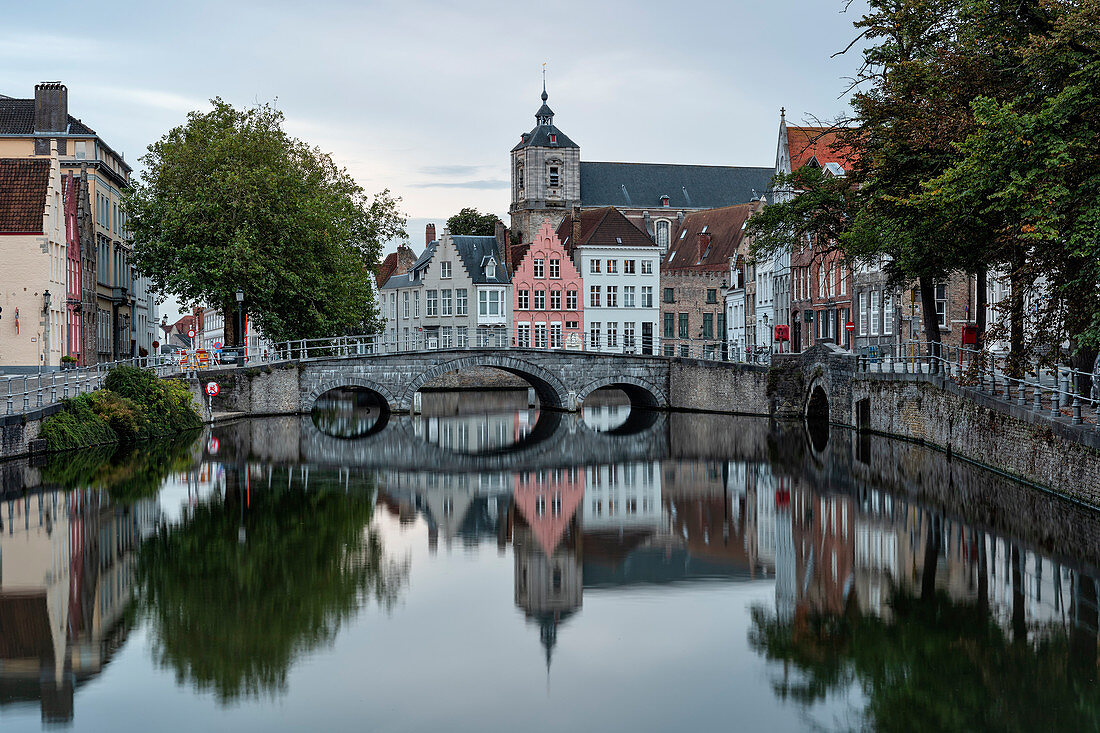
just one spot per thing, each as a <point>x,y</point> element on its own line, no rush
<point>212,446</point>
<point>217,346</point>
<point>190,333</point>
<point>212,389</point>
<point>156,344</point>
<point>849,327</point>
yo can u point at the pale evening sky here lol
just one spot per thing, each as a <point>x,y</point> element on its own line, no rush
<point>427,98</point>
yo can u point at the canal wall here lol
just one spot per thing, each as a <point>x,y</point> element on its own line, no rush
<point>1016,441</point>
<point>19,432</point>
<point>709,386</point>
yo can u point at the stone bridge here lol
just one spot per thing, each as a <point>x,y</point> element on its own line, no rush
<point>561,379</point>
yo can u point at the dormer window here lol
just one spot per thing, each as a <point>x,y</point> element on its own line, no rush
<point>491,268</point>
<point>665,201</point>
<point>553,138</point>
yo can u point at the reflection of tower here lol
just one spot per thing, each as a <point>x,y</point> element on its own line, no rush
<point>785,573</point>
<point>547,550</point>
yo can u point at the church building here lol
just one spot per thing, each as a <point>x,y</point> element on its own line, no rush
<point>549,178</point>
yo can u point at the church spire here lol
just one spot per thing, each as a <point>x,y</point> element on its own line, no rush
<point>545,115</point>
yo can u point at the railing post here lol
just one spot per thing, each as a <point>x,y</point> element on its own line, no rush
<point>1077,419</point>
<point>53,388</point>
<point>10,406</point>
<point>26,395</point>
<point>1037,404</point>
<point>1055,399</point>
<point>1021,393</point>
<point>65,388</point>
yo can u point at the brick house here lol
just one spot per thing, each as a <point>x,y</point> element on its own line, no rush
<point>695,275</point>
<point>547,294</point>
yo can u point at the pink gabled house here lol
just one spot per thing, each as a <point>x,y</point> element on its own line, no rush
<point>547,302</point>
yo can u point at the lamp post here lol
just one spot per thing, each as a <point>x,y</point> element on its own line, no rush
<point>45,331</point>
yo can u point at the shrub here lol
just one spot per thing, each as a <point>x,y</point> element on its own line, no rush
<point>121,414</point>
<point>76,426</point>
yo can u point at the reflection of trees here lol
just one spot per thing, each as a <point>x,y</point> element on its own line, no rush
<point>127,472</point>
<point>232,615</point>
<point>937,665</point>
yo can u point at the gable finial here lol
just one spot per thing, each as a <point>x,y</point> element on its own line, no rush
<point>545,96</point>
<point>782,114</point>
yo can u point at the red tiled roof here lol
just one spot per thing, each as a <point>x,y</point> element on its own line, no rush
<point>23,194</point>
<point>806,143</point>
<point>385,269</point>
<point>604,227</point>
<point>724,229</point>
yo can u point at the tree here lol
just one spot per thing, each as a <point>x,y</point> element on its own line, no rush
<point>471,221</point>
<point>229,200</point>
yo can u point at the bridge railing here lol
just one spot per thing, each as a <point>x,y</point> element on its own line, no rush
<point>25,392</point>
<point>1056,391</point>
<point>421,342</point>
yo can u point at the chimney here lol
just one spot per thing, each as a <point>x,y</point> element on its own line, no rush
<point>429,234</point>
<point>51,107</point>
<point>503,247</point>
<point>406,258</point>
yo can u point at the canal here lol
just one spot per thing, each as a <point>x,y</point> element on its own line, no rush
<point>486,565</point>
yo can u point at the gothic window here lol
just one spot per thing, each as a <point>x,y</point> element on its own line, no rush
<point>662,235</point>
<point>519,178</point>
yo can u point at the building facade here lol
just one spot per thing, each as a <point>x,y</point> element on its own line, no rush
<point>27,127</point>
<point>457,294</point>
<point>695,278</point>
<point>547,300</point>
<point>620,267</point>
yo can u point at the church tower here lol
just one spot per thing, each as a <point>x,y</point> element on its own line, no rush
<point>546,176</point>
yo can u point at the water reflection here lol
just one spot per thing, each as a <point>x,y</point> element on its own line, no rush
<point>855,583</point>
<point>349,412</point>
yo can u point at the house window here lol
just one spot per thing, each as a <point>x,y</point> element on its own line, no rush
<point>555,300</point>
<point>863,313</point>
<point>416,304</point>
<point>612,333</point>
<point>647,267</point>
<point>594,335</point>
<point>80,148</point>
<point>573,324</point>
<point>444,270</point>
<point>647,296</point>
<point>432,303</point>
<point>489,302</point>
<point>670,325</point>
<point>941,304</point>
<point>463,339</point>
<point>523,300</point>
<point>874,311</point>
<point>708,325</point>
<point>555,336</point>
<point>540,268</point>
<point>628,335</point>
<point>612,267</point>
<point>523,335</point>
<point>555,269</point>
<point>612,296</point>
<point>540,335</point>
<point>446,301</point>
<point>887,313</point>
<point>571,300</point>
<point>555,177</point>
<point>684,332</point>
<point>594,267</point>
<point>668,296</point>
<point>628,296</point>
<point>712,295</point>
<point>406,299</point>
<point>461,307</point>
<point>540,300</point>
<point>821,281</point>
<point>445,341</point>
<point>594,296</point>
<point>628,267</point>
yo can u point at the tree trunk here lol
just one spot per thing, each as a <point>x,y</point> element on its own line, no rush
<point>930,317</point>
<point>981,301</point>
<point>229,310</point>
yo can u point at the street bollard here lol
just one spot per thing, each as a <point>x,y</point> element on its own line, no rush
<point>1037,406</point>
<point>1055,401</point>
<point>1077,419</point>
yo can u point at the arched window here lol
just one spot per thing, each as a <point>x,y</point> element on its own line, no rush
<point>662,236</point>
<point>519,179</point>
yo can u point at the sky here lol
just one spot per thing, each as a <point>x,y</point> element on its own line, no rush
<point>427,98</point>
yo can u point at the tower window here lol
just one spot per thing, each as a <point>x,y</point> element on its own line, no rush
<point>555,176</point>
<point>553,137</point>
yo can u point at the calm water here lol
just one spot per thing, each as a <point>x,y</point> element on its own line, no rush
<point>488,567</point>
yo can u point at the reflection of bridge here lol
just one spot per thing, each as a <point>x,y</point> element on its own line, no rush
<point>557,440</point>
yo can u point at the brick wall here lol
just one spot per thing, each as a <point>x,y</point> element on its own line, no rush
<point>690,297</point>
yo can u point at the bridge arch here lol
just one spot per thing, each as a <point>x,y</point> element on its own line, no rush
<point>817,401</point>
<point>642,393</point>
<point>337,380</point>
<point>551,391</point>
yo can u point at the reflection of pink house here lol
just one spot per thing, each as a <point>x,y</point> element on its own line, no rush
<point>548,500</point>
<point>546,294</point>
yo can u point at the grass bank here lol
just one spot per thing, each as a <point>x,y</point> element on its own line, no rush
<point>134,404</point>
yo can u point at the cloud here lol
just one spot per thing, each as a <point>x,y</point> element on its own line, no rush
<point>450,170</point>
<point>485,184</point>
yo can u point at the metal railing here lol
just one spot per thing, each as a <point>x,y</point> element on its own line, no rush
<point>1054,391</point>
<point>27,392</point>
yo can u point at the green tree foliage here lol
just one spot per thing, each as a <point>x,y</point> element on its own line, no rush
<point>229,200</point>
<point>126,472</point>
<point>232,616</point>
<point>471,221</point>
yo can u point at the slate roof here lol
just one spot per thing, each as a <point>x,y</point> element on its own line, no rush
<point>17,118</point>
<point>724,228</point>
<point>473,251</point>
<point>641,185</point>
<point>807,143</point>
<point>23,194</point>
<point>397,281</point>
<point>605,227</point>
<point>540,137</point>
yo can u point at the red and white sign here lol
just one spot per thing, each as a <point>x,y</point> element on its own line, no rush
<point>190,333</point>
<point>849,327</point>
<point>212,389</point>
<point>212,446</point>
